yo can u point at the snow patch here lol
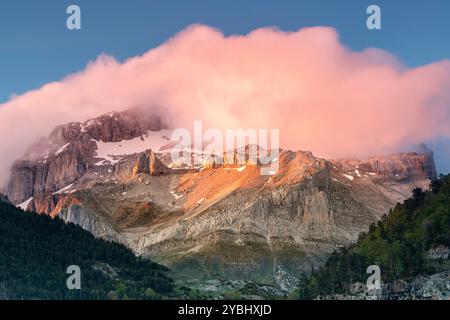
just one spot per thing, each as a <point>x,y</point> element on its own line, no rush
<point>63,190</point>
<point>24,205</point>
<point>176,196</point>
<point>349,177</point>
<point>100,163</point>
<point>114,151</point>
<point>62,149</point>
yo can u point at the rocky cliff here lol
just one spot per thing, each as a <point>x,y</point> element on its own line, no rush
<point>70,151</point>
<point>149,163</point>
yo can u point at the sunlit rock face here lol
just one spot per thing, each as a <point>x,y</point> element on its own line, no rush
<point>113,176</point>
<point>149,163</point>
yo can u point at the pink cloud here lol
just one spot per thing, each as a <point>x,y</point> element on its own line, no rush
<point>322,96</point>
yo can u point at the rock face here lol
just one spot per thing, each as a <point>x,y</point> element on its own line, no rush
<point>31,178</point>
<point>150,164</point>
<point>411,165</point>
<point>112,175</point>
<point>90,222</point>
<point>70,151</point>
<point>111,127</point>
<point>45,203</point>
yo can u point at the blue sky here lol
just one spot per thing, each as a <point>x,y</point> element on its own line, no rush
<point>36,47</point>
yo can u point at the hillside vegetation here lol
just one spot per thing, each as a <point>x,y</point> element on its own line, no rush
<point>35,251</point>
<point>398,245</point>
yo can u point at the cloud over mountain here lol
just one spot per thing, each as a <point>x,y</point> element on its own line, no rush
<point>322,96</point>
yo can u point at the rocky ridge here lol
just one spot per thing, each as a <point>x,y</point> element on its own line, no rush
<point>70,151</point>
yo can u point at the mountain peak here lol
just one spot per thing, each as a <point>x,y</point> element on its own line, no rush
<point>110,127</point>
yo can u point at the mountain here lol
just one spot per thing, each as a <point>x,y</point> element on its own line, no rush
<point>36,250</point>
<point>113,176</point>
<point>410,245</point>
<point>72,150</point>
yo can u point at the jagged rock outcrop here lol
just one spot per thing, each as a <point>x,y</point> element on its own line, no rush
<point>406,164</point>
<point>149,163</point>
<point>250,155</point>
<point>45,203</point>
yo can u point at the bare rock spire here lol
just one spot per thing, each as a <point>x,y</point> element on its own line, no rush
<point>149,163</point>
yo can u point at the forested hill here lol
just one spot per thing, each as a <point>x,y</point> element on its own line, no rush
<point>399,245</point>
<point>36,250</point>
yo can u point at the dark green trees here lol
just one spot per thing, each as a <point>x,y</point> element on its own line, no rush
<point>398,244</point>
<point>36,250</point>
